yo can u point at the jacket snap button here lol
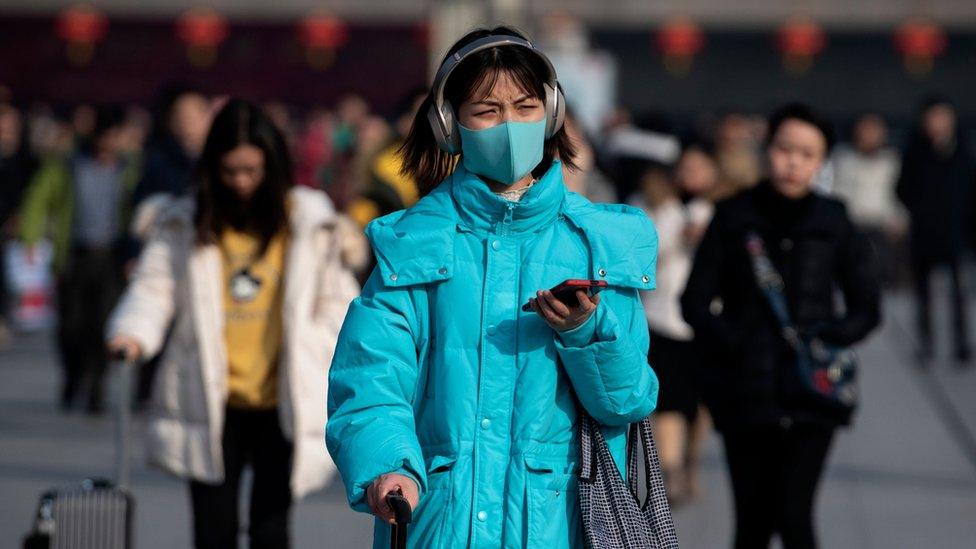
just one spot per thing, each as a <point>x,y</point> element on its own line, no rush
<point>393,277</point>
<point>603,272</point>
<point>646,279</point>
<point>442,270</point>
<point>485,423</point>
<point>482,516</point>
<point>491,330</point>
<point>496,245</point>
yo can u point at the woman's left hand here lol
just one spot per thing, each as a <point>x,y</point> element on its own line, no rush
<point>561,317</point>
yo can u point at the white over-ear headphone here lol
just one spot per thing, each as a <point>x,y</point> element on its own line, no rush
<point>441,115</point>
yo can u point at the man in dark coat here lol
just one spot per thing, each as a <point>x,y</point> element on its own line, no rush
<point>936,185</point>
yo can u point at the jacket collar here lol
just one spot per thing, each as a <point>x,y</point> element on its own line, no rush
<point>482,211</point>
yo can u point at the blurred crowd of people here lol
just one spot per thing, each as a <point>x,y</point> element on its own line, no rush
<point>85,179</point>
<point>78,176</point>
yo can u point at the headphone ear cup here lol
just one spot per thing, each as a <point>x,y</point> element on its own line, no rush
<point>437,127</point>
<point>452,137</point>
<point>443,127</point>
<point>555,109</point>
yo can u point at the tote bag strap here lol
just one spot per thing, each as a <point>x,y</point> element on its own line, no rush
<point>656,506</point>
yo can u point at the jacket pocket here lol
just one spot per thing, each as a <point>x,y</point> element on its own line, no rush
<point>439,472</point>
<point>552,509</point>
<point>434,512</point>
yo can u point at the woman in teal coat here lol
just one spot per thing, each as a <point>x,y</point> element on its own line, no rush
<point>442,387</point>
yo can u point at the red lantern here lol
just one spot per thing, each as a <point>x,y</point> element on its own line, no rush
<point>202,30</point>
<point>679,41</point>
<point>321,35</point>
<point>919,42</point>
<point>800,41</point>
<point>81,27</point>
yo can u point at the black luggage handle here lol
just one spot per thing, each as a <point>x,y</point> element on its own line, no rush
<point>125,365</point>
<point>402,516</point>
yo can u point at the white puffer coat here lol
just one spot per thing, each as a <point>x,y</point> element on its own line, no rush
<point>178,283</point>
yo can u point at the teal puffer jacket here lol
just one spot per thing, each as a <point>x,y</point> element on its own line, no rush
<point>441,376</point>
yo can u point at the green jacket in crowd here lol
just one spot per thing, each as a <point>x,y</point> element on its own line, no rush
<point>48,206</point>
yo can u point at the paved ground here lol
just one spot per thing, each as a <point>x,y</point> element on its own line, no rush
<point>904,476</point>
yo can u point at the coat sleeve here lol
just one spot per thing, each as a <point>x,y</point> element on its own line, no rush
<point>37,203</point>
<point>147,307</point>
<point>337,285</point>
<point>860,284</point>
<point>606,360</point>
<point>703,287</point>
<point>372,382</point>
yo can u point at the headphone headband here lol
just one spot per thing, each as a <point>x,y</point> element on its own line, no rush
<point>452,62</point>
<point>442,116</point>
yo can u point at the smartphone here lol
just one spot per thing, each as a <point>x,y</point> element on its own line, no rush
<point>566,290</point>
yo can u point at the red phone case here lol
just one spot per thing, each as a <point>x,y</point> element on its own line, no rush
<point>565,291</point>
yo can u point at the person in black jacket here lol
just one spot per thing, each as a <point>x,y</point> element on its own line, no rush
<point>776,440</point>
<point>936,185</point>
<point>17,166</point>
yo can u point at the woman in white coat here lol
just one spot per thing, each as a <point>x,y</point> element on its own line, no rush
<point>254,278</point>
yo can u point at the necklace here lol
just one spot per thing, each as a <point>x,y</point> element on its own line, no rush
<point>244,285</point>
<point>516,195</point>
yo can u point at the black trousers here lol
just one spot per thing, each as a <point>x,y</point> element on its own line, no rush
<point>775,473</point>
<point>923,271</point>
<point>254,438</point>
<point>88,290</point>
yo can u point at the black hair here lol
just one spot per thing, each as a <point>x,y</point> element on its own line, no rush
<point>166,99</point>
<point>697,142</point>
<point>107,118</point>
<point>934,100</point>
<point>422,158</point>
<point>217,207</point>
<point>803,113</point>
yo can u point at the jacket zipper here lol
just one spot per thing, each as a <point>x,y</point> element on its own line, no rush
<point>507,220</point>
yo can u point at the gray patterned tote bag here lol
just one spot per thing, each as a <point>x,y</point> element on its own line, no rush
<point>612,514</point>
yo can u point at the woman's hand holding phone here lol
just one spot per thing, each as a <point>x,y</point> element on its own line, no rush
<point>558,315</point>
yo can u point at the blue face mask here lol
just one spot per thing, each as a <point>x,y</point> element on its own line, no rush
<point>504,153</point>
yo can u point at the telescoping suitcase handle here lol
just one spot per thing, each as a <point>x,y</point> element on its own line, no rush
<point>402,516</point>
<point>125,366</point>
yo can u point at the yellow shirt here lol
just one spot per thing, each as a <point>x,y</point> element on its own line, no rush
<point>253,296</point>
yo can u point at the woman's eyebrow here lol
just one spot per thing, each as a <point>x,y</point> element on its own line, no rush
<point>495,103</point>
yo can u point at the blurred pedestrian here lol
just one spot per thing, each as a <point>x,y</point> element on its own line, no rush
<point>182,122</point>
<point>82,202</point>
<point>865,173</point>
<point>387,189</point>
<point>181,126</point>
<point>936,185</point>
<point>777,434</point>
<point>681,210</point>
<point>442,387</point>
<point>17,165</point>
<point>672,353</point>
<point>589,180</point>
<point>737,150</point>
<point>251,275</point>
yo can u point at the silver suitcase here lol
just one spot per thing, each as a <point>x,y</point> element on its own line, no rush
<point>97,513</point>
